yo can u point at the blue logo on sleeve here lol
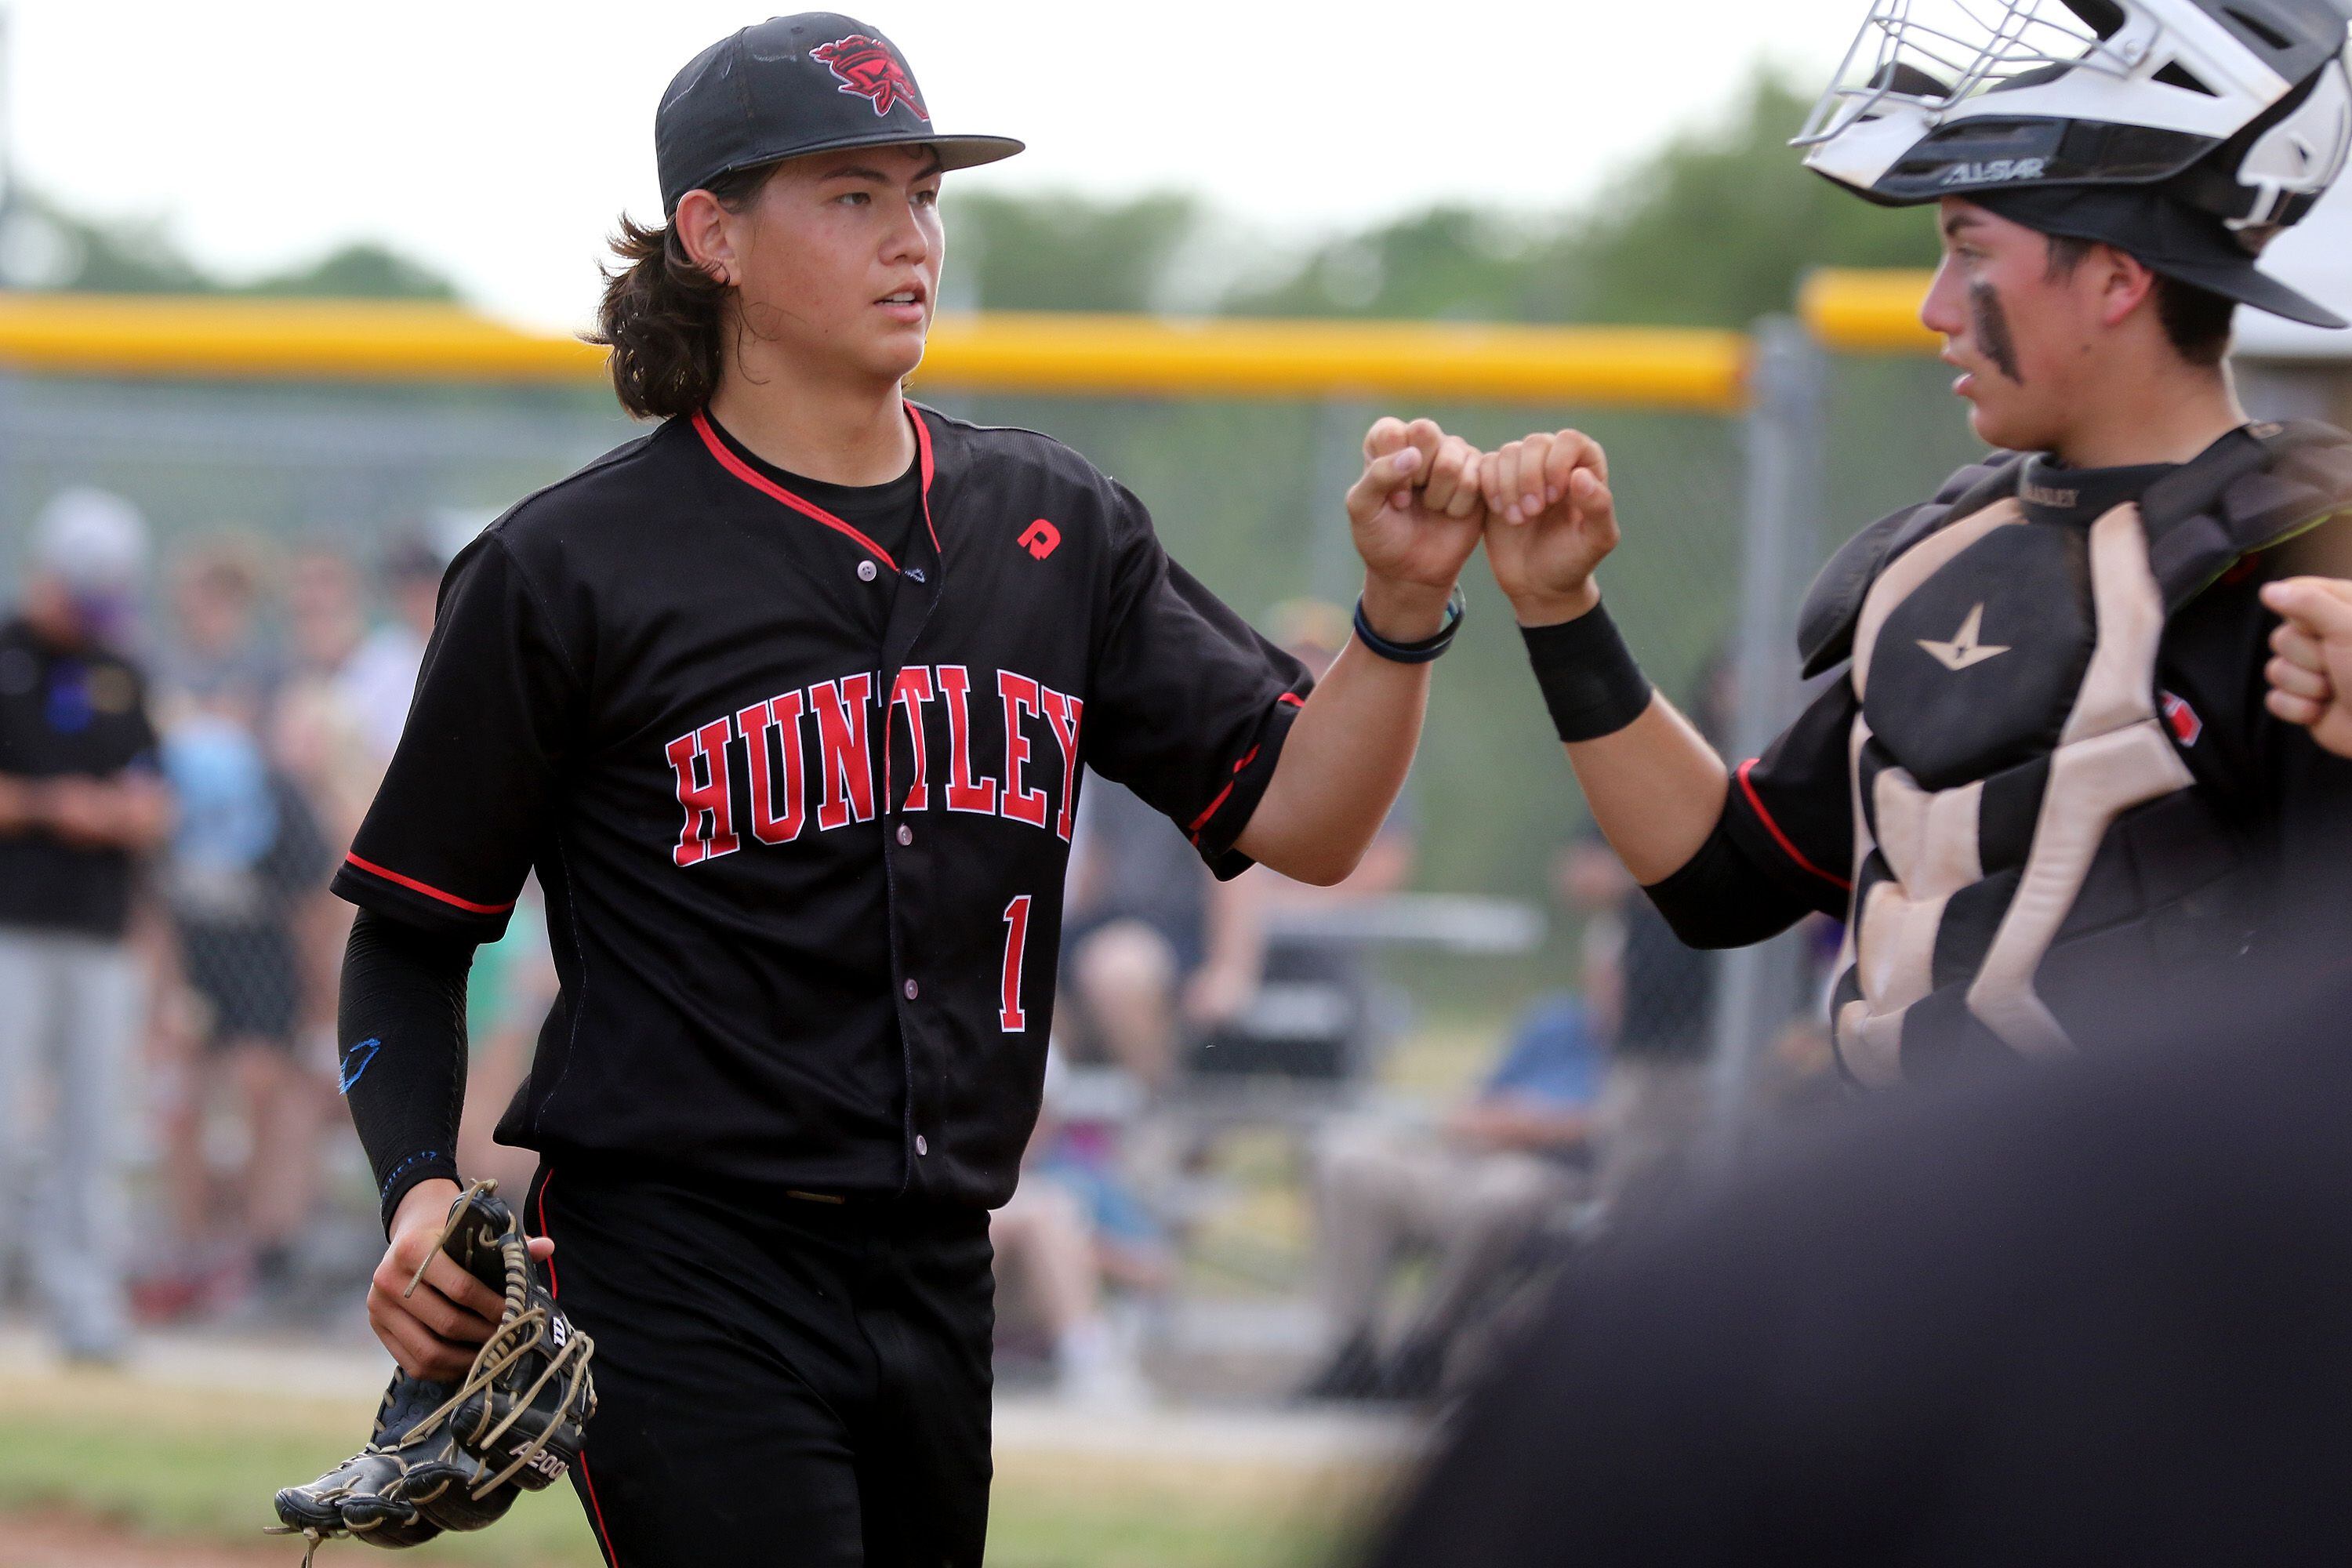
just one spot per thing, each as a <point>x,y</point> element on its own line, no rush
<point>355,1062</point>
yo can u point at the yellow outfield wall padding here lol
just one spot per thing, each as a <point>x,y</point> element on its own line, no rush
<point>381,341</point>
<point>291,340</point>
<point>1665,367</point>
<point>1867,312</point>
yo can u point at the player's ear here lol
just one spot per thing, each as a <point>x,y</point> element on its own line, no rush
<point>2125,282</point>
<point>705,234</point>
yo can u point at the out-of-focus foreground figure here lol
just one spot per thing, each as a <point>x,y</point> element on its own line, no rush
<point>2086,1316</point>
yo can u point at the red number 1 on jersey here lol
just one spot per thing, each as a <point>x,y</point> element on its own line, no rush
<point>1016,937</point>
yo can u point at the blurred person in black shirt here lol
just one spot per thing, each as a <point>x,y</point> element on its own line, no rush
<point>1137,933</point>
<point>248,856</point>
<point>80,802</point>
<point>1657,1103</point>
<point>2096,1316</point>
<point>1159,952</point>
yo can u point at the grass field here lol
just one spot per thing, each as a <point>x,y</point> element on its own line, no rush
<point>185,1466</point>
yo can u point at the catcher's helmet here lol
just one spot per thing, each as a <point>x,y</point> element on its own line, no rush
<point>2233,115</point>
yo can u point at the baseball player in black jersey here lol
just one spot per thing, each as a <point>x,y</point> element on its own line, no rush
<point>2045,791</point>
<point>785,704</point>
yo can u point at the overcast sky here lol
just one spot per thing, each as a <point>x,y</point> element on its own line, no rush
<point>498,139</point>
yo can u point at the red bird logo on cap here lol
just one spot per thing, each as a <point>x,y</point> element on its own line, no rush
<point>866,67</point>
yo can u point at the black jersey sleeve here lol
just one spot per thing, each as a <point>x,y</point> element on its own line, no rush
<point>1189,707</point>
<point>451,834</point>
<point>1789,813</point>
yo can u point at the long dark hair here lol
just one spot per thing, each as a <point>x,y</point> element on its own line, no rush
<point>663,316</point>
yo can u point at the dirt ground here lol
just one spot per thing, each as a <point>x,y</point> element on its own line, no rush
<point>51,1538</point>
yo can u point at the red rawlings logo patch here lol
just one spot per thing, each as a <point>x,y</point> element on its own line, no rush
<point>866,67</point>
<point>2183,718</point>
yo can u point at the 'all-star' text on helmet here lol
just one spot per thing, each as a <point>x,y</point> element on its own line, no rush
<point>2239,109</point>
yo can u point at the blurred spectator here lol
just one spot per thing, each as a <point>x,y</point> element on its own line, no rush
<point>80,801</point>
<point>217,659</point>
<point>1136,935</point>
<point>321,733</point>
<point>247,859</point>
<point>1158,950</point>
<point>1471,1191</point>
<point>1071,1230</point>
<point>1252,954</point>
<point>380,677</point>
<point>317,739</point>
<point>1656,1108</point>
<point>508,991</point>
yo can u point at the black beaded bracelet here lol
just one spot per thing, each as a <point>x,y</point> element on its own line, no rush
<point>1420,652</point>
<point>1590,680</point>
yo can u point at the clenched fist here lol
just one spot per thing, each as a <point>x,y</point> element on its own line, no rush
<point>1551,521</point>
<point>1415,513</point>
<point>2311,674</point>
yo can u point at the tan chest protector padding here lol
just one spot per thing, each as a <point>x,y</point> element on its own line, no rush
<point>2112,755</point>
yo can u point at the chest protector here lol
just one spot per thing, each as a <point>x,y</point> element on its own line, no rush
<point>2029,844</point>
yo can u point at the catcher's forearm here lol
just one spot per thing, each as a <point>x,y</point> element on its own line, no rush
<point>401,1024</point>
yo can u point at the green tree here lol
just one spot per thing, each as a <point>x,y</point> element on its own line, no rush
<point>1719,228</point>
<point>362,271</point>
<point>1064,252</point>
<point>45,246</point>
<point>1446,261</point>
<point>1715,228</point>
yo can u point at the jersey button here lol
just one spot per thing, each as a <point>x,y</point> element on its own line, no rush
<point>913,990</point>
<point>906,835</point>
<point>866,571</point>
<point>922,1144</point>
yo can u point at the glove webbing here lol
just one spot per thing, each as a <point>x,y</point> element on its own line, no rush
<point>503,1348</point>
<point>520,1329</point>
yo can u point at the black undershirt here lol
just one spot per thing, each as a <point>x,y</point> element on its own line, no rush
<point>2048,491</point>
<point>887,513</point>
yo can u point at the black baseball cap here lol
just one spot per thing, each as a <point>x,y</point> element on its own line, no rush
<point>2167,235</point>
<point>807,83</point>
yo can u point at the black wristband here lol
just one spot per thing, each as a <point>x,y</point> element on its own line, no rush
<point>1421,652</point>
<point>1590,680</point>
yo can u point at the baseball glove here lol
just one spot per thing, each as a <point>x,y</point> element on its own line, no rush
<point>452,1456</point>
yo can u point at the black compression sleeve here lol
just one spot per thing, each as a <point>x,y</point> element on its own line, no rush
<point>401,1024</point>
<point>1719,899</point>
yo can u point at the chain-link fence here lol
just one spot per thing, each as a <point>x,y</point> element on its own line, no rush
<point>288,521</point>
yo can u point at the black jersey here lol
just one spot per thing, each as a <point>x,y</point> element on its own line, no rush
<point>801,804</point>
<point>67,713</point>
<point>1943,794</point>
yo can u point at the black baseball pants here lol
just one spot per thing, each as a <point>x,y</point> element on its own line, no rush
<point>779,1380</point>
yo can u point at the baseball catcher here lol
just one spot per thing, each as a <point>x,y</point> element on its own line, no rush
<point>453,1456</point>
<point>2044,790</point>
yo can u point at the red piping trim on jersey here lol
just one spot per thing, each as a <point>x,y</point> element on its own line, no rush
<point>552,1287</point>
<point>768,486</point>
<point>923,453</point>
<point>1292,698</point>
<point>1202,820</point>
<point>1779,837</point>
<point>429,891</point>
<point>587,1481</point>
<point>1247,758</point>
